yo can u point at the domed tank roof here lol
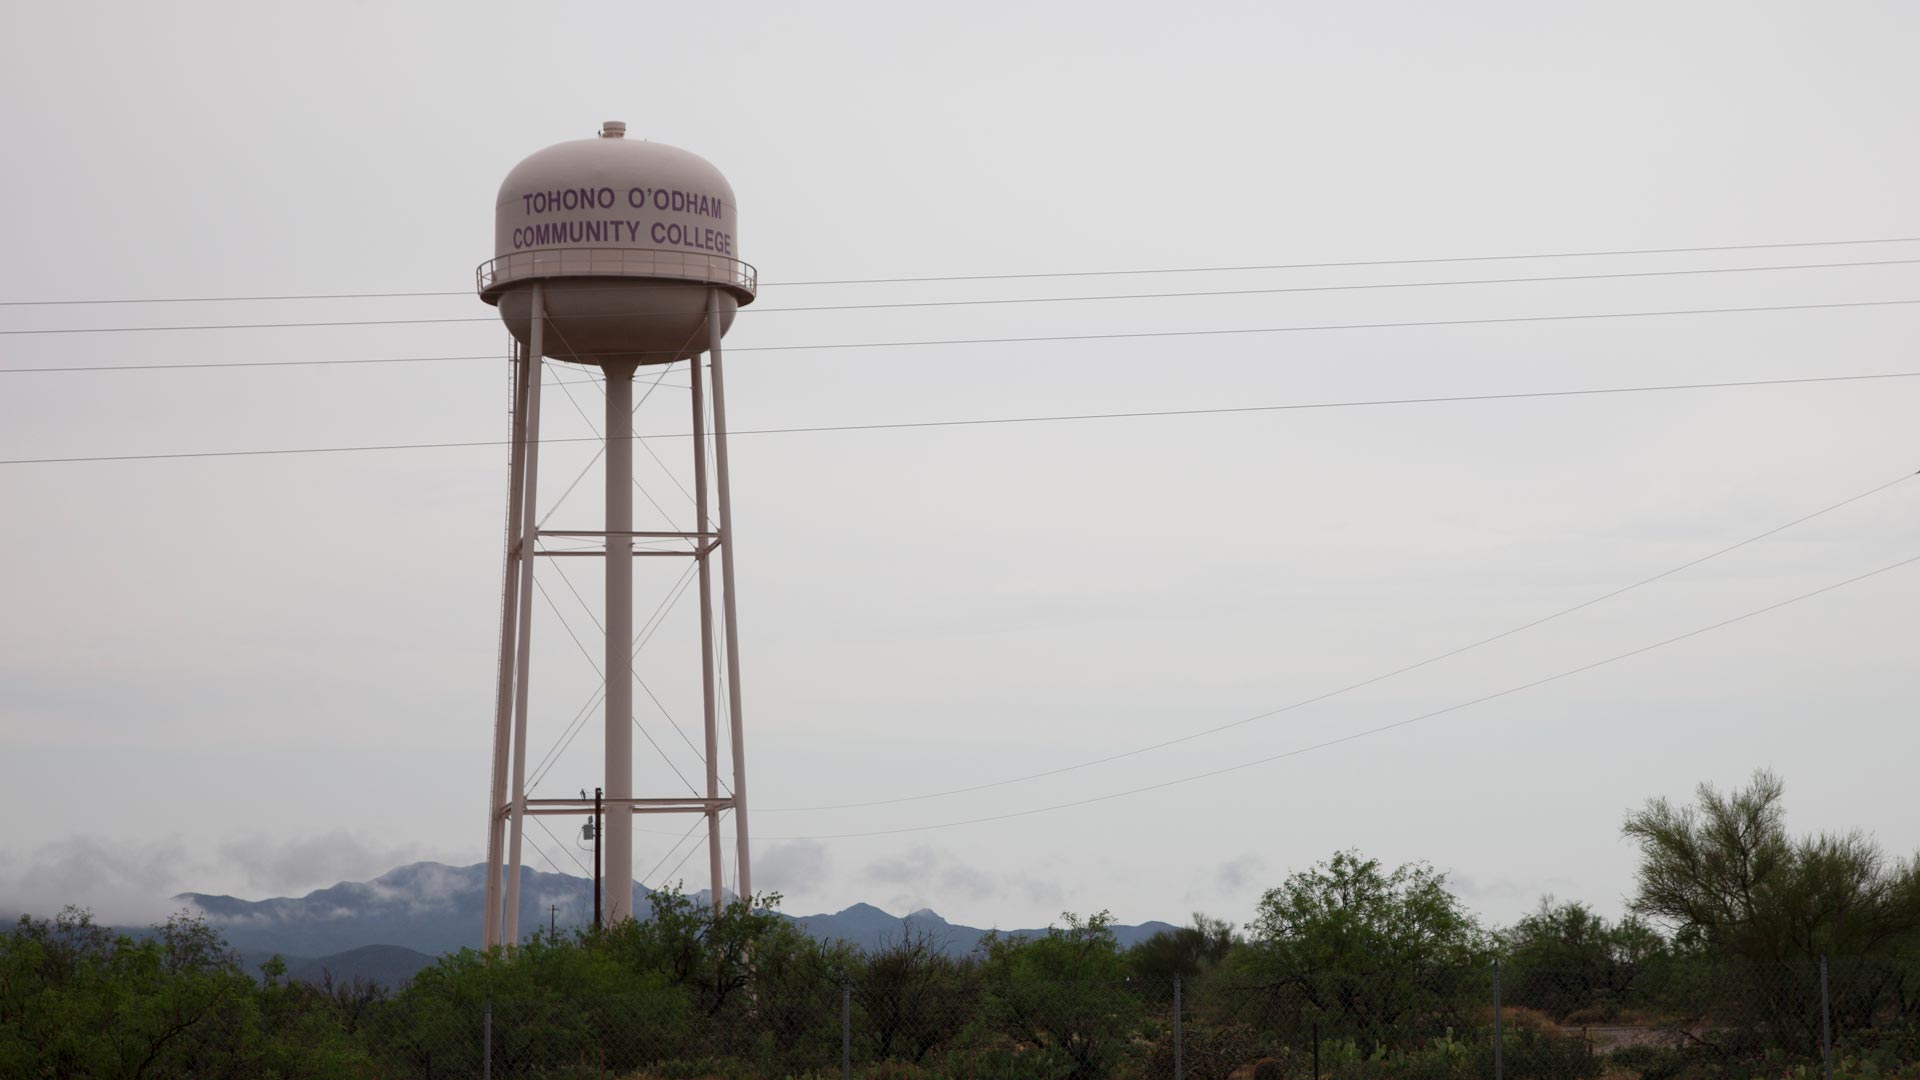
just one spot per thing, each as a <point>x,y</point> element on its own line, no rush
<point>616,207</point>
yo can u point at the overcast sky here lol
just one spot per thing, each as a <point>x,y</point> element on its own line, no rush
<point>263,675</point>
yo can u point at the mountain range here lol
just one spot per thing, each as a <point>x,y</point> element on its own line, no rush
<point>386,929</point>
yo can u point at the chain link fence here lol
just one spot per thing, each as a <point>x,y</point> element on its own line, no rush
<point>1794,1020</point>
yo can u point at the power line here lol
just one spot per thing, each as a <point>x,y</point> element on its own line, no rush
<point>1449,654</point>
<point>980,422</point>
<point>1231,409</point>
<point>1054,338</point>
<point>240,298</point>
<point>1381,729</point>
<point>969,303</point>
<point>1697,249</point>
<point>198,366</point>
<point>1359,287</point>
<point>1409,324</point>
<point>1363,262</point>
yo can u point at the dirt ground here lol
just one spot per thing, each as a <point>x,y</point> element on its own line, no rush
<point>1606,1040</point>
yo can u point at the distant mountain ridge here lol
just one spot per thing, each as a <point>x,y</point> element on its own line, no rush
<point>386,965</point>
<point>426,906</point>
<point>369,928</point>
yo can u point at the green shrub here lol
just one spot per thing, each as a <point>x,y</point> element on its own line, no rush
<point>704,1068</point>
<point>1651,1062</point>
<point>1001,1062</point>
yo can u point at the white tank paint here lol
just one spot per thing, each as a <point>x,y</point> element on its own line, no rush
<point>628,236</point>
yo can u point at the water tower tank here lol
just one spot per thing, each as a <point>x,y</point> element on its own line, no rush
<point>628,238</point>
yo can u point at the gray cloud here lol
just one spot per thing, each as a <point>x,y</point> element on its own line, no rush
<point>963,879</point>
<point>119,883</point>
<point>1239,873</point>
<point>901,869</point>
<point>287,866</point>
<point>793,866</point>
<point>131,882</point>
<point>1481,891</point>
<point>1041,891</point>
<point>925,877</point>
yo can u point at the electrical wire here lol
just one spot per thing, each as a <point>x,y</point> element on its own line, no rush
<point>1147,334</point>
<point>1384,676</point>
<point>1696,249</point>
<point>204,365</point>
<point>961,303</point>
<point>986,421</point>
<point>1359,287</point>
<point>1352,263</point>
<point>1413,323</point>
<point>1368,732</point>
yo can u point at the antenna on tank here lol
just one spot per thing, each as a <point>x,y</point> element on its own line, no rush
<point>616,254</point>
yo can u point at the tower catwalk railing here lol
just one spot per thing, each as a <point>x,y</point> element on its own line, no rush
<point>650,263</point>
<point>510,804</point>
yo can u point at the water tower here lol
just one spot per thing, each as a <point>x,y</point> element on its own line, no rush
<point>616,254</point>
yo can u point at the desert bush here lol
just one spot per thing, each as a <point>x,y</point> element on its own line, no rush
<point>1063,993</point>
<point>1210,1053</point>
<point>1651,1062</point>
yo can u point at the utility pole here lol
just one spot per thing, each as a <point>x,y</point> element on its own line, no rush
<point>596,859</point>
<point>553,920</point>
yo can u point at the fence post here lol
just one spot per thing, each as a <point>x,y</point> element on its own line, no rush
<point>1179,1044</point>
<point>846,1031</point>
<point>486,1041</point>
<point>1499,1032</point>
<point>1826,1021</point>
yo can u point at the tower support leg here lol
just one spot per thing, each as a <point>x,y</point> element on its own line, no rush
<point>715,876</point>
<point>509,628</point>
<point>728,591</point>
<point>529,531</point>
